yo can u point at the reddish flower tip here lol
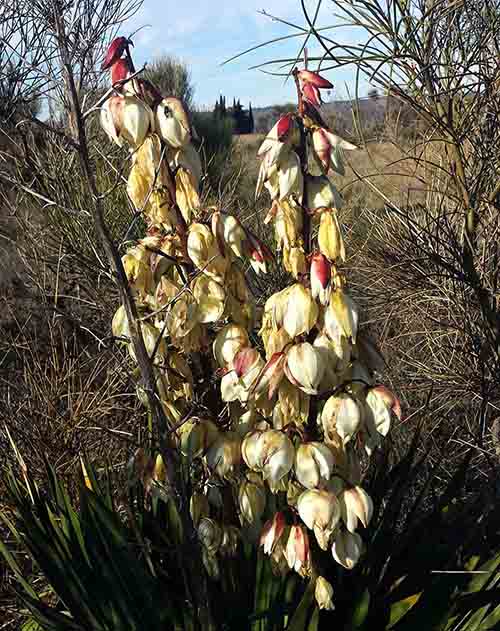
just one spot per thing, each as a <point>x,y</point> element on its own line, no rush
<point>321,269</point>
<point>284,126</point>
<point>115,51</point>
<point>120,70</point>
<point>315,79</point>
<point>311,94</point>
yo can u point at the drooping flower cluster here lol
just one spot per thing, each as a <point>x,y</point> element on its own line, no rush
<point>289,414</point>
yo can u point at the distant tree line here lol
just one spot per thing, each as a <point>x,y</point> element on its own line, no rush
<point>242,120</point>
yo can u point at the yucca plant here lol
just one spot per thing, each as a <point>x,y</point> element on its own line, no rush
<point>244,423</point>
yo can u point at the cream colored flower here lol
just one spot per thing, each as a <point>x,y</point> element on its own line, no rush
<point>252,498</point>
<point>304,367</point>
<point>301,311</point>
<point>172,122</point>
<point>341,415</point>
<point>356,505</point>
<point>224,455</point>
<point>347,548</point>
<point>320,511</point>
<point>313,464</point>
<point>229,341</point>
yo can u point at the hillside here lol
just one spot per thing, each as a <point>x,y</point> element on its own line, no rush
<point>369,111</point>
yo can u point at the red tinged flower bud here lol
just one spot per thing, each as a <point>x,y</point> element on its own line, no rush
<point>272,531</point>
<point>284,126</point>
<point>311,94</point>
<point>389,399</point>
<point>115,51</point>
<point>321,269</point>
<point>306,76</point>
<point>245,360</point>
<point>297,549</point>
<point>257,252</point>
<point>120,70</point>
<point>271,375</point>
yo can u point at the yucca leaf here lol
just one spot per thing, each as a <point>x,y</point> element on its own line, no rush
<point>399,609</point>
<point>12,563</point>
<point>361,608</point>
<point>302,615</point>
<point>492,620</point>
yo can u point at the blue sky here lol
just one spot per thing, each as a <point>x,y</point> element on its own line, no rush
<point>204,33</point>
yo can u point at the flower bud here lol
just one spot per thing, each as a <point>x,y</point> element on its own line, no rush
<point>306,76</point>
<point>356,504</point>
<point>224,455</point>
<point>330,239</point>
<point>301,311</point>
<point>311,94</point>
<point>252,498</point>
<point>271,375</point>
<point>341,317</point>
<point>347,548</point>
<point>320,511</point>
<point>115,51</point>
<point>313,464</point>
<point>297,550</point>
<point>210,534</point>
<point>329,150</point>
<point>304,367</point>
<point>258,253</point>
<point>159,470</point>
<point>238,383</point>
<point>275,142</point>
<point>323,592</point>
<point>321,272</point>
<point>341,415</point>
<point>271,532</point>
